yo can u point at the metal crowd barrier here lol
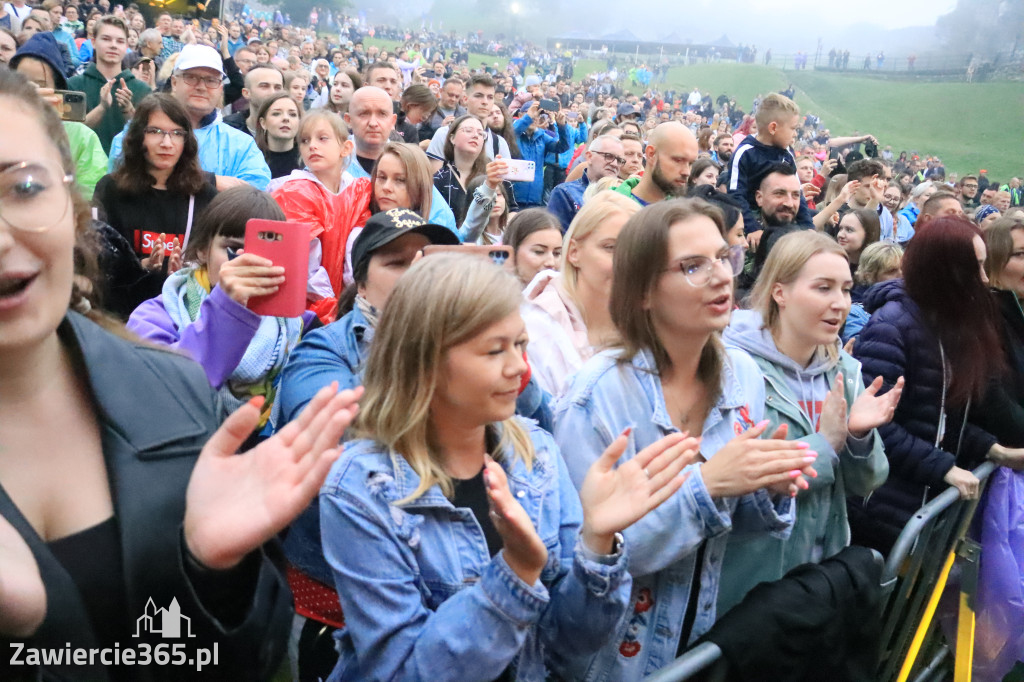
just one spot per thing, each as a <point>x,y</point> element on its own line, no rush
<point>911,644</point>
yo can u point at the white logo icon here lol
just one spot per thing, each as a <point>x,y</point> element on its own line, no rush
<point>164,622</point>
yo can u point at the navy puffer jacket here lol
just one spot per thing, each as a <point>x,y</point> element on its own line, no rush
<point>896,342</point>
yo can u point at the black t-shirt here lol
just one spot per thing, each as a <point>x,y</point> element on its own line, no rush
<point>470,493</point>
<point>283,163</point>
<point>366,163</point>
<point>141,218</point>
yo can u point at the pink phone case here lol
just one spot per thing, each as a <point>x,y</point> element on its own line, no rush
<point>287,245</point>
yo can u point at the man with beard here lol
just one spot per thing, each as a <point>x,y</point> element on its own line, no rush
<point>723,149</point>
<point>778,202</point>
<point>671,149</point>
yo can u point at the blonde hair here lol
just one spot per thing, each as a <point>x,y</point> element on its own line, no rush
<point>418,179</point>
<point>436,305</point>
<point>775,107</point>
<point>783,266</point>
<point>601,185</point>
<point>877,258</point>
<point>593,214</point>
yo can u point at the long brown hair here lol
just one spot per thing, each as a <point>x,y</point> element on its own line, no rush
<point>133,176</point>
<point>418,178</point>
<point>942,276</point>
<point>261,132</point>
<point>640,257</point>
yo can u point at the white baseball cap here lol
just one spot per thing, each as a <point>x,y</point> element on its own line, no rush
<point>196,56</point>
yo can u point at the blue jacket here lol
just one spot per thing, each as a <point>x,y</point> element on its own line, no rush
<point>750,162</point>
<point>577,135</point>
<point>905,220</point>
<point>338,352</point>
<point>424,600</point>
<point>222,151</point>
<point>566,200</point>
<point>606,397</point>
<point>535,148</point>
<point>896,342</point>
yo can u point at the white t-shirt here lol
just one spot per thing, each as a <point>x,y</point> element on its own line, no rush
<point>18,15</point>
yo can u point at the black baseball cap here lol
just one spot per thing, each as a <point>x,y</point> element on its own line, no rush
<point>387,226</point>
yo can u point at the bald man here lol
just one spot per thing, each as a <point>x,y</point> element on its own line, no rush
<point>671,149</point>
<point>372,119</point>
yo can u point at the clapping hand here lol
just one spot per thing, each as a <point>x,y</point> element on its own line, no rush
<point>870,410</point>
<point>616,497</point>
<point>237,502</point>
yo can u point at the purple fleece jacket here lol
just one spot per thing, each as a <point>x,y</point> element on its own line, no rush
<point>217,340</point>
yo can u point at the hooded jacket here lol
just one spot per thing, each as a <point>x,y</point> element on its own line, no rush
<point>897,342</point>
<point>558,335</point>
<point>794,396</point>
<point>91,81</point>
<point>43,46</point>
<point>534,147</point>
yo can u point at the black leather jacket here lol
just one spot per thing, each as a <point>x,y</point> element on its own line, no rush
<point>156,410</point>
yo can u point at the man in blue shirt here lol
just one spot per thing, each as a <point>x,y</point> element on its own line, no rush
<point>604,158</point>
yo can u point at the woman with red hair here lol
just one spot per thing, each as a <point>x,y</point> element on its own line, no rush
<point>937,327</point>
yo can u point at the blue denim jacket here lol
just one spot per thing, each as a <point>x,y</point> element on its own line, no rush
<point>424,600</point>
<point>605,397</point>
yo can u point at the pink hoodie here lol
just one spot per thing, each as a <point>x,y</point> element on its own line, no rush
<point>558,336</point>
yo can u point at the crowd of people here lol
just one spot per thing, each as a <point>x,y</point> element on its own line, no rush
<point>723,345</point>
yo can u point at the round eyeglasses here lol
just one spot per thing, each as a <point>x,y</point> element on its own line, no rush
<point>33,197</point>
<point>697,269</point>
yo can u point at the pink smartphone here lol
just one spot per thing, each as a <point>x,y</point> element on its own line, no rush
<point>287,245</point>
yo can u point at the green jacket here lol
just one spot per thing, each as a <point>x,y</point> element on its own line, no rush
<point>90,161</point>
<point>91,81</point>
<point>821,528</point>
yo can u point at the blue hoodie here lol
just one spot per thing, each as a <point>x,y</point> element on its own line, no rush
<point>43,46</point>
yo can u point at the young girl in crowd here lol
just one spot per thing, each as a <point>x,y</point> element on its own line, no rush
<point>343,84</point>
<point>447,483</point>
<point>671,297</point>
<point>487,214</point>
<point>858,229</point>
<point>880,262</point>
<point>916,331</point>
<point>326,197</point>
<point>399,179</point>
<point>814,388</point>
<point>536,240</point>
<point>500,123</point>
<point>138,497</point>
<point>296,84</point>
<point>416,106</point>
<point>158,192</point>
<point>567,313</point>
<point>704,172</point>
<point>202,310</point>
<point>278,122</point>
<point>464,159</point>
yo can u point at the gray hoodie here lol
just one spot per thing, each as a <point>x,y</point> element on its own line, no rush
<point>808,384</point>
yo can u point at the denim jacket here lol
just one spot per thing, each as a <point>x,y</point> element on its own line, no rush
<point>424,600</point>
<point>606,397</point>
<point>338,352</point>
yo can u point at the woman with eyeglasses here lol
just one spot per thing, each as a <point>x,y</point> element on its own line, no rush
<point>566,312</point>
<point>155,196</point>
<point>815,388</point>
<point>122,490</point>
<point>464,159</point>
<point>668,372</point>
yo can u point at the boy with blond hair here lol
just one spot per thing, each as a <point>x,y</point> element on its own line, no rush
<point>777,120</point>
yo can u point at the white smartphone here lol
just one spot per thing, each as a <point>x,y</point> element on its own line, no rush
<point>520,170</point>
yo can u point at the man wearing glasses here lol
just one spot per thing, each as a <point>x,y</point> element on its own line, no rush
<point>604,158</point>
<point>969,191</point>
<point>229,154</point>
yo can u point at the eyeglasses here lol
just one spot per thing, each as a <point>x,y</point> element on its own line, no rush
<point>32,197</point>
<point>176,135</point>
<point>212,82</point>
<point>610,157</point>
<point>697,269</point>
